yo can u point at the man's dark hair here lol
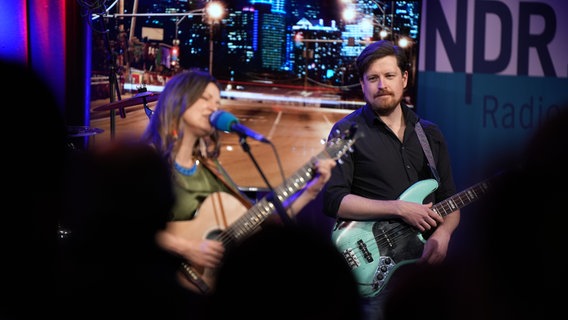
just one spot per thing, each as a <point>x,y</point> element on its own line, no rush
<point>377,50</point>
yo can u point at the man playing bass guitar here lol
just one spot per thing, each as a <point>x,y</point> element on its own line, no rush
<point>368,185</point>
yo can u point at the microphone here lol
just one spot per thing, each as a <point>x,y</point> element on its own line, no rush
<point>225,121</point>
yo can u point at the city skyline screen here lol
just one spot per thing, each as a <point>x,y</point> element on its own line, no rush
<point>296,42</point>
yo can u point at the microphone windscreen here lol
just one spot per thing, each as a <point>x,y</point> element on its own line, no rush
<point>222,120</point>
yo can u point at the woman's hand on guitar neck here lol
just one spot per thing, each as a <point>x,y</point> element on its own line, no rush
<point>323,173</point>
<point>312,189</point>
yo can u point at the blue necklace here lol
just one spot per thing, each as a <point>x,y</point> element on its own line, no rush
<point>186,171</point>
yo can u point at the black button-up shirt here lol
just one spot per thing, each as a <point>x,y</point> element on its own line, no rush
<point>382,167</point>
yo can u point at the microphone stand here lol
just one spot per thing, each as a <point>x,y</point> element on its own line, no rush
<point>113,79</point>
<point>271,196</point>
<point>246,148</point>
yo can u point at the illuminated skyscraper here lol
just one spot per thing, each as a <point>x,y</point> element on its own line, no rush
<point>271,29</point>
<point>277,5</point>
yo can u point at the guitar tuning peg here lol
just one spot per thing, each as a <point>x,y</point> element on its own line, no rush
<point>340,161</point>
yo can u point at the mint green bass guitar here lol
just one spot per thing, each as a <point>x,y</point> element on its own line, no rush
<point>374,249</point>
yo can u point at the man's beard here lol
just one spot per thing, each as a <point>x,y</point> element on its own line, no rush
<point>384,109</point>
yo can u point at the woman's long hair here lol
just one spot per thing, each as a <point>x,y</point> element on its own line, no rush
<point>164,131</point>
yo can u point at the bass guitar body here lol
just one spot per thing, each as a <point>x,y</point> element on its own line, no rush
<point>374,249</point>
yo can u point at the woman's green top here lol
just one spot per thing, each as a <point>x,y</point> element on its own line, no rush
<point>192,190</point>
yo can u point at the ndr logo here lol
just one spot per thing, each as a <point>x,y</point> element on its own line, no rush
<point>494,37</point>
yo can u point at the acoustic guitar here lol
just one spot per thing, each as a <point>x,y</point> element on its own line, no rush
<point>224,218</point>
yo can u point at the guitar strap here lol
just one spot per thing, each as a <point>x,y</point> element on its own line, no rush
<point>427,151</point>
<point>215,167</point>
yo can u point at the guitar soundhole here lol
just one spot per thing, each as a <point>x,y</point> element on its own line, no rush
<point>213,234</point>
